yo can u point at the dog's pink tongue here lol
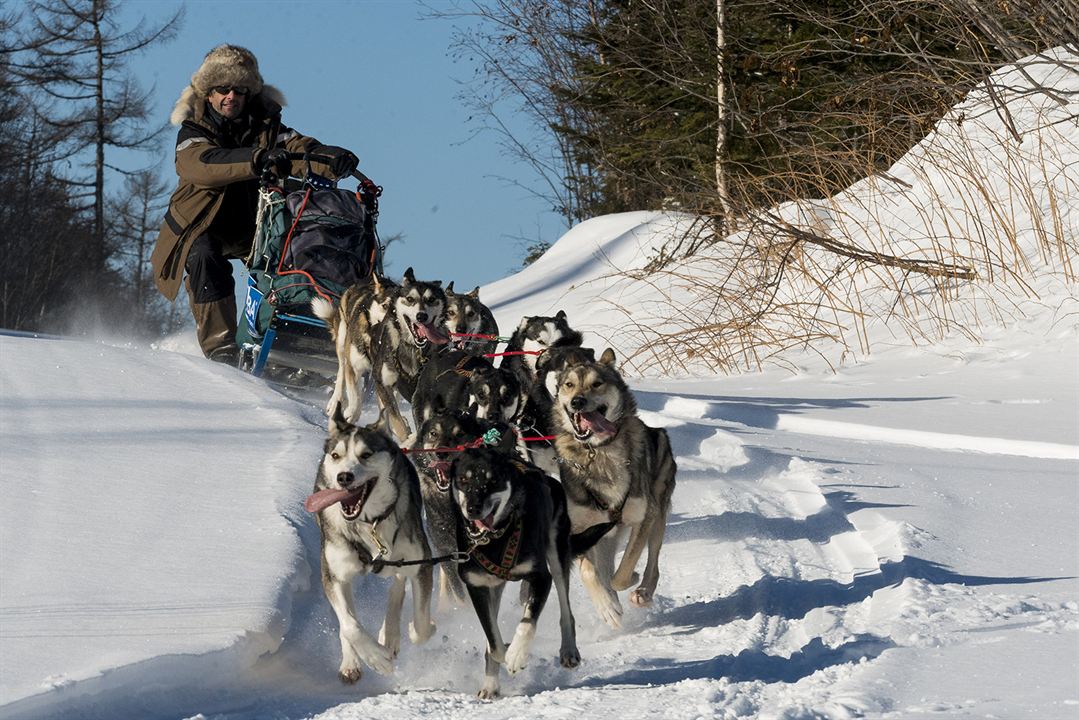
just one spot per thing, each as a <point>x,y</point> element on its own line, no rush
<point>322,499</point>
<point>597,423</point>
<point>433,334</point>
<point>485,523</point>
<point>442,466</point>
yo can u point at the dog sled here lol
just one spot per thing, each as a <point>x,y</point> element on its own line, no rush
<point>312,239</point>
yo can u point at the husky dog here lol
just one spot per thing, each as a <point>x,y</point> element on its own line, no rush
<point>511,519</point>
<point>466,315</point>
<point>618,474</point>
<point>438,439</point>
<point>392,347</point>
<point>533,335</point>
<point>459,381</point>
<point>362,306</point>
<point>367,500</point>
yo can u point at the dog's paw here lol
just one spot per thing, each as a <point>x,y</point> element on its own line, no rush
<point>490,689</point>
<point>516,658</point>
<point>569,657</point>
<point>352,411</point>
<point>350,675</point>
<point>641,598</point>
<point>610,610</point>
<point>417,637</point>
<point>517,652</point>
<point>379,659</point>
<point>392,644</point>
<point>620,583</point>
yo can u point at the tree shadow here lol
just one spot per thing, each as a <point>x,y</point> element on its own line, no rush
<point>764,412</point>
<point>750,665</point>
<point>792,599</point>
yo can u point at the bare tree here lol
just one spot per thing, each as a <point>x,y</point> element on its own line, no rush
<point>75,53</point>
<point>523,52</point>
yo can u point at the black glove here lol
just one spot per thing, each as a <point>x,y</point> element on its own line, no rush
<point>273,165</point>
<point>341,161</point>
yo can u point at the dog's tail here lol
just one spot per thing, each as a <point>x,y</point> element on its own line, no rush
<point>323,309</point>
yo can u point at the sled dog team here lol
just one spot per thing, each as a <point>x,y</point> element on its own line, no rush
<point>471,487</point>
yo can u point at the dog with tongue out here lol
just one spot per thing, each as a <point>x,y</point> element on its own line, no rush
<point>618,476</point>
<point>367,504</point>
<point>512,522</point>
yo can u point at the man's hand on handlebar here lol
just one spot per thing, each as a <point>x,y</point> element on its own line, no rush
<point>273,165</point>
<point>341,161</point>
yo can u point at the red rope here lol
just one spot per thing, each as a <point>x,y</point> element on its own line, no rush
<point>514,352</point>
<point>458,448</point>
<point>288,238</point>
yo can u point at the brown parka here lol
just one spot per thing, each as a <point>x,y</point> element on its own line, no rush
<point>206,162</point>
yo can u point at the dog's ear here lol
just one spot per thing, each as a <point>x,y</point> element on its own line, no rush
<point>449,288</point>
<point>409,276</point>
<point>607,358</point>
<point>338,423</point>
<point>560,315</point>
<point>475,293</point>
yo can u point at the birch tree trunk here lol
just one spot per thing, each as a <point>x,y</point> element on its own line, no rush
<point>723,224</point>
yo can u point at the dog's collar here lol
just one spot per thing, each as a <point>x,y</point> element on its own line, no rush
<point>501,566</point>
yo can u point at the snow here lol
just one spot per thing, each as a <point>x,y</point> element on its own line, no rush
<point>889,536</point>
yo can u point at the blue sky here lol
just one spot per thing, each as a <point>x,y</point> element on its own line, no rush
<point>376,77</point>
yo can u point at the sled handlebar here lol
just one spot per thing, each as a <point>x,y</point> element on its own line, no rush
<point>326,160</point>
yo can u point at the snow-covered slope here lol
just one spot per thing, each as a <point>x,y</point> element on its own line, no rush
<point>996,192</point>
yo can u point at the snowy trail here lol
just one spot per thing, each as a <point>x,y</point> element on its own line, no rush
<point>778,586</point>
<point>792,574</point>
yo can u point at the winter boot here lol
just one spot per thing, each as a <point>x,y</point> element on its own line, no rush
<point>215,327</point>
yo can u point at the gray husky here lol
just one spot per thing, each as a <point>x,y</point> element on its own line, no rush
<point>390,335</point>
<point>467,316</point>
<point>511,519</point>
<point>618,475</point>
<point>367,500</point>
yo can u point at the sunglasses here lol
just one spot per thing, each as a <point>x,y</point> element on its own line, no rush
<point>226,89</point>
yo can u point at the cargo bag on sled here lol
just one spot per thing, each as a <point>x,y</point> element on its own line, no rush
<point>315,241</point>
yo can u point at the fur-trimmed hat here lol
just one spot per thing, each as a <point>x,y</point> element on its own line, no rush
<point>227,65</point>
<point>224,65</point>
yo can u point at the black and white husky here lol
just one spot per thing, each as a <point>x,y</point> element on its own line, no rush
<point>618,475</point>
<point>534,335</point>
<point>367,500</point>
<point>511,519</point>
<point>439,438</point>
<point>456,381</point>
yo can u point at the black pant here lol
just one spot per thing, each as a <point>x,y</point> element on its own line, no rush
<point>229,236</point>
<point>209,272</point>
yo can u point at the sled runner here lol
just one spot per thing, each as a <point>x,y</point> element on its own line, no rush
<point>311,239</point>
